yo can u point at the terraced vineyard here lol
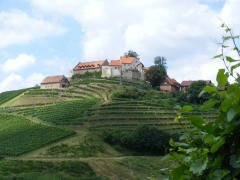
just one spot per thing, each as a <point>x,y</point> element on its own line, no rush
<point>42,127</point>
<point>6,96</point>
<point>19,135</point>
<point>75,92</point>
<point>68,112</point>
<point>128,114</point>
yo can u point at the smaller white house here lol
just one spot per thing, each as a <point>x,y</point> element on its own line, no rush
<point>55,82</point>
<point>129,67</point>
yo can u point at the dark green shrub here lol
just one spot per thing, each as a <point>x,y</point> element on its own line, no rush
<point>128,93</point>
<point>87,75</point>
<point>144,140</point>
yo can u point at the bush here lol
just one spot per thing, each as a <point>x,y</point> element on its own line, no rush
<point>87,75</point>
<point>128,93</point>
<point>144,140</point>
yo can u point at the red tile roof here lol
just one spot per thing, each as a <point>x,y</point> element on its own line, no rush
<point>172,82</point>
<point>123,60</point>
<point>189,82</point>
<point>115,63</point>
<point>127,60</point>
<point>53,79</point>
<point>89,65</point>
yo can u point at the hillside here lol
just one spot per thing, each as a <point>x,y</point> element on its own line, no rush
<point>42,127</point>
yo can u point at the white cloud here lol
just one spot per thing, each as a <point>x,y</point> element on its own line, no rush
<point>10,82</point>
<point>16,81</point>
<point>32,80</point>
<point>230,14</point>
<point>18,27</point>
<point>176,29</point>
<point>21,62</point>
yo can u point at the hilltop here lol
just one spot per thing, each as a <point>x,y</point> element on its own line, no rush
<point>42,126</point>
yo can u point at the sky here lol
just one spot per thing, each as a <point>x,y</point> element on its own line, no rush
<point>42,37</point>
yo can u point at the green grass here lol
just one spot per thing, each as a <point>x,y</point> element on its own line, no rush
<point>68,112</point>
<point>134,168</point>
<point>46,170</point>
<point>84,144</point>
<point>7,96</point>
<point>19,135</point>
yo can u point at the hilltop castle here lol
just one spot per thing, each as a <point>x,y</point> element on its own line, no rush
<point>127,67</point>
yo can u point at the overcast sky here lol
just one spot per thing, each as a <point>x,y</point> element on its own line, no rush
<point>46,37</point>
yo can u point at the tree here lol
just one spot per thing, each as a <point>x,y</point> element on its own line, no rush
<point>194,91</point>
<point>131,53</point>
<point>157,73</point>
<point>211,149</point>
<point>160,61</point>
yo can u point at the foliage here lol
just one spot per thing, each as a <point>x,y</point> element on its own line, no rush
<point>87,75</point>
<point>45,170</point>
<point>19,135</point>
<point>194,90</point>
<point>131,53</point>
<point>160,61</point>
<point>144,140</point>
<point>156,75</point>
<point>192,94</point>
<point>128,93</point>
<point>87,147</point>
<point>211,150</point>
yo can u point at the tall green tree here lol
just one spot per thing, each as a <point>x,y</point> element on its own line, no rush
<point>160,61</point>
<point>131,53</point>
<point>157,73</point>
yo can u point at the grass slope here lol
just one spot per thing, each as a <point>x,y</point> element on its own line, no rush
<point>71,170</point>
<point>88,107</point>
<point>7,96</point>
<point>19,135</point>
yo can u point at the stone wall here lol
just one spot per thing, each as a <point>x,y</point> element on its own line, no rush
<point>167,88</point>
<point>55,85</point>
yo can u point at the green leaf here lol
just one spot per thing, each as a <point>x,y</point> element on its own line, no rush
<point>235,49</point>
<point>217,56</point>
<point>197,121</point>
<point>210,89</point>
<point>198,166</point>
<point>222,77</point>
<point>229,59</point>
<point>178,173</point>
<point>226,104</point>
<point>217,145</point>
<point>234,67</point>
<point>231,114</point>
<point>209,139</point>
<point>219,174</point>
<point>223,46</point>
<point>187,108</point>
<point>209,104</point>
<point>228,29</point>
<point>172,143</point>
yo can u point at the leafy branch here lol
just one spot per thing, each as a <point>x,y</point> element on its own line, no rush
<point>211,149</point>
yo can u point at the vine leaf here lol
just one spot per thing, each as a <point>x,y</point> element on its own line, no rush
<point>222,77</point>
<point>217,145</point>
<point>198,166</point>
<point>229,59</point>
